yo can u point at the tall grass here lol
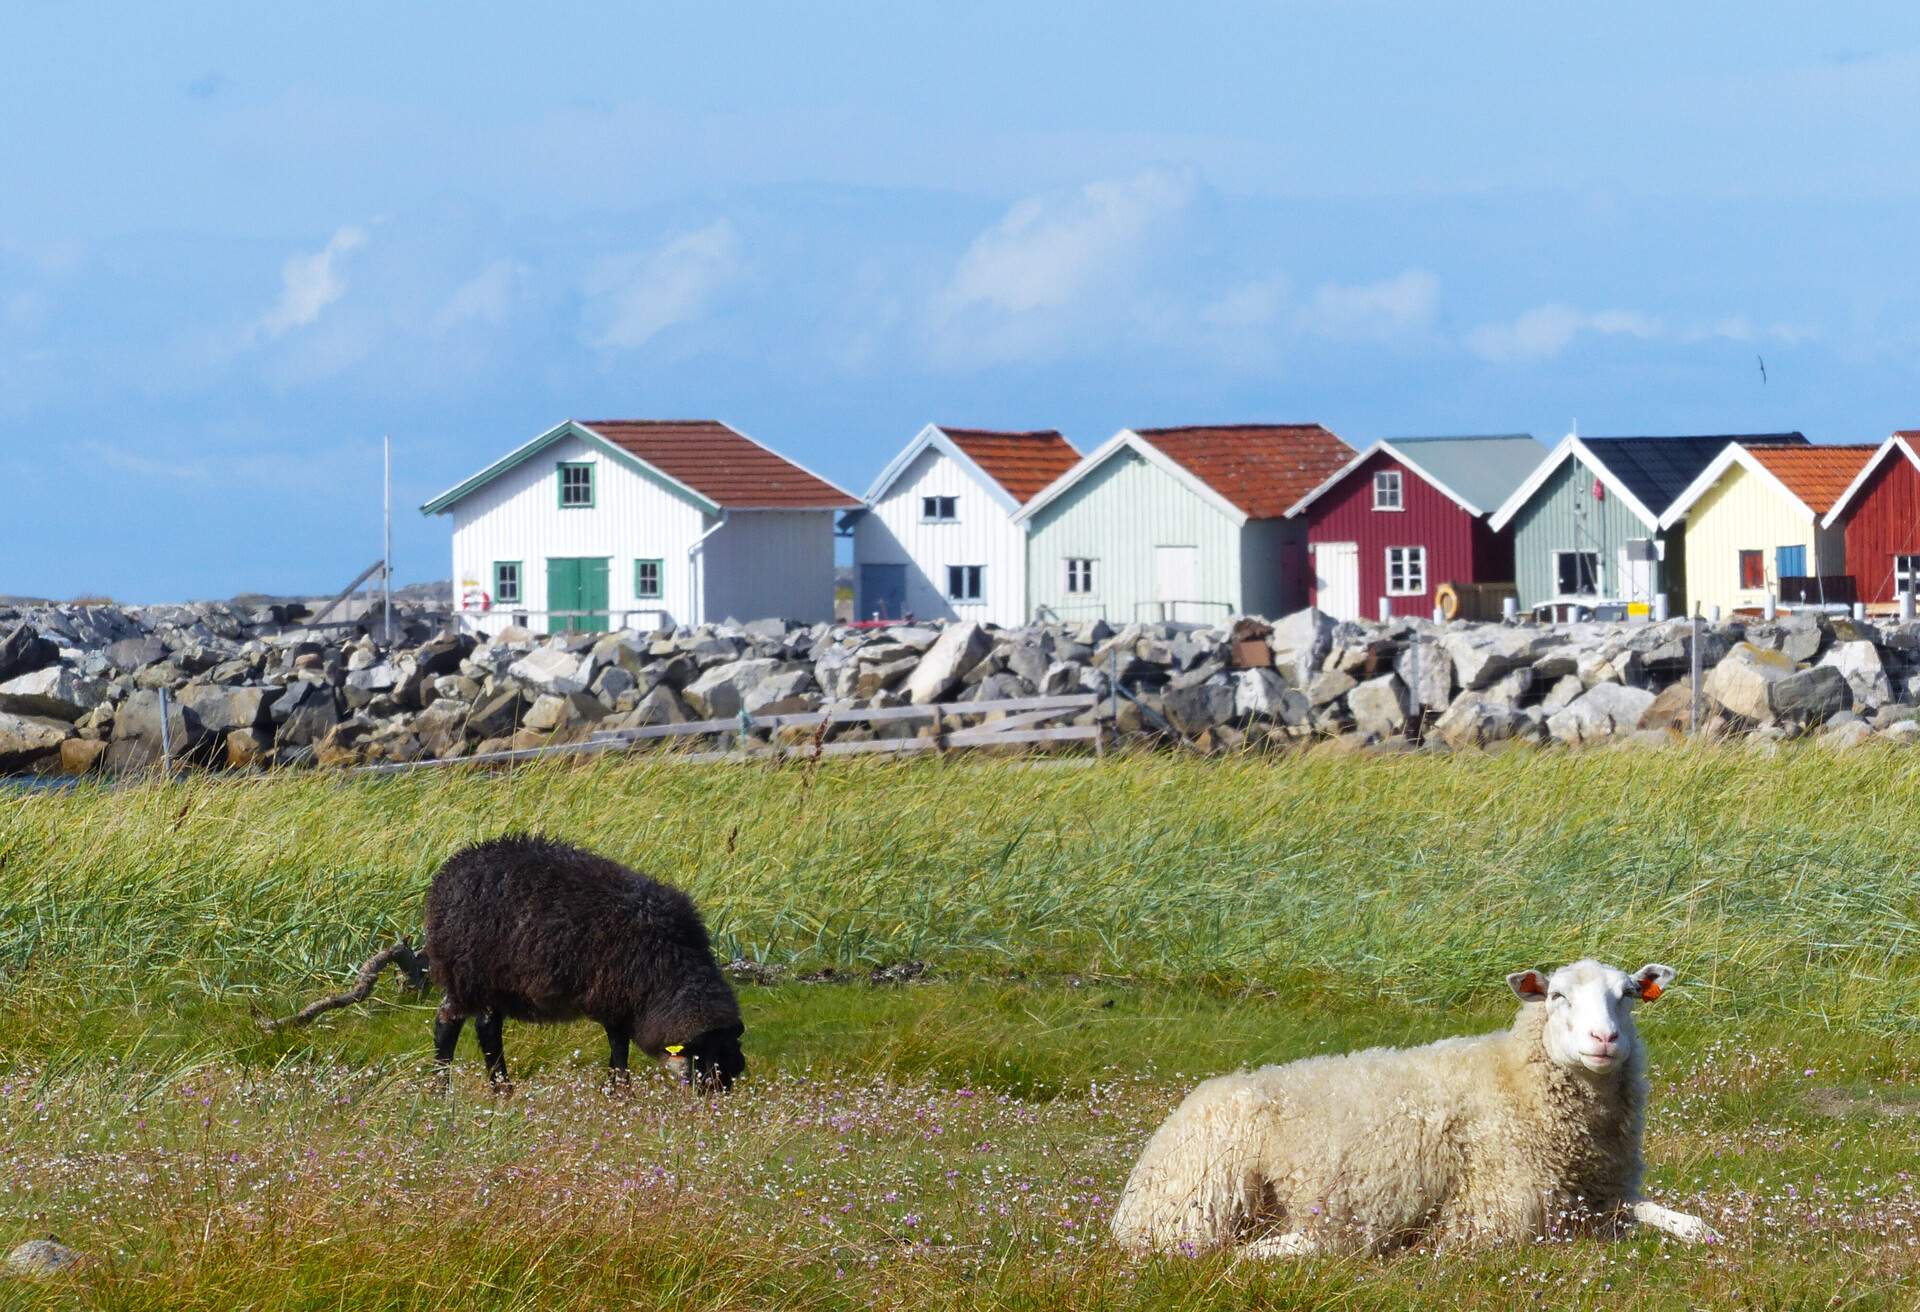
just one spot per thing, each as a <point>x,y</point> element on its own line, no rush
<point>1780,886</point>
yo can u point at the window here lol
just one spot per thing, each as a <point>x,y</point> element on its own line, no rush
<point>1079,574</point>
<point>964,582</point>
<point>1753,569</point>
<point>1406,571</point>
<point>1386,490</point>
<point>1577,573</point>
<point>939,510</point>
<point>1906,574</point>
<point>646,579</point>
<point>576,485</point>
<point>506,583</point>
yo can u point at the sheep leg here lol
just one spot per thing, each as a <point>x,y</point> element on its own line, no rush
<point>1291,1244</point>
<point>487,1028</point>
<point>446,1034</point>
<point>617,1043</point>
<point>1690,1229</point>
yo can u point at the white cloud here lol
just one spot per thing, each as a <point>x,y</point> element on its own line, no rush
<point>1374,311</point>
<point>1050,249</point>
<point>1250,305</point>
<point>1547,330</point>
<point>310,283</point>
<point>635,297</point>
<point>486,298</point>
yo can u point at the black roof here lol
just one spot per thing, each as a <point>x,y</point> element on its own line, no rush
<point>1659,469</point>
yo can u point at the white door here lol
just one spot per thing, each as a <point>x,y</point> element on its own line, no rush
<point>1336,578</point>
<point>1636,578</point>
<point>1176,582</point>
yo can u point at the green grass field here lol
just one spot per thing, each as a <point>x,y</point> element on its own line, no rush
<point>1097,939</point>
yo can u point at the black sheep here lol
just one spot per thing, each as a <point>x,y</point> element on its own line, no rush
<point>525,927</point>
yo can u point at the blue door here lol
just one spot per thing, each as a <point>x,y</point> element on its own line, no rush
<point>883,592</point>
<point>1790,562</point>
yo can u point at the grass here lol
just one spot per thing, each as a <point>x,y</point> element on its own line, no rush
<point>1098,939</point>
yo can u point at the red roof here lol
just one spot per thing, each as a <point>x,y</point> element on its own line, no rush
<point>1022,463</point>
<point>726,467</point>
<point>1261,468</point>
<point>1815,474</point>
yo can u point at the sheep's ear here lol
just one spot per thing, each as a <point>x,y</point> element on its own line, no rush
<point>1651,980</point>
<point>1528,985</point>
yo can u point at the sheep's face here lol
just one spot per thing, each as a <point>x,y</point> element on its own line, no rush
<point>711,1061</point>
<point>1590,1010</point>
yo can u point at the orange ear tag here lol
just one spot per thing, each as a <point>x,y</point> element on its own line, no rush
<point>1650,990</point>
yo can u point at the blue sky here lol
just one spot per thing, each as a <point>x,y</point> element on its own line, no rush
<point>238,244</point>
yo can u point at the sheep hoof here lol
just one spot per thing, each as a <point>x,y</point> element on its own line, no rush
<point>1292,1244</point>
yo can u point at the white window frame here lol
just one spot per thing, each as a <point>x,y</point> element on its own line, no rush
<point>1599,577</point>
<point>1413,556</point>
<point>1389,478</point>
<point>1087,575</point>
<point>979,581</point>
<point>932,508</point>
<point>1908,579</point>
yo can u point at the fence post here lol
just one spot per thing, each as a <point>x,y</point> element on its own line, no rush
<point>1906,605</point>
<point>1693,660</point>
<point>1113,688</point>
<point>166,735</point>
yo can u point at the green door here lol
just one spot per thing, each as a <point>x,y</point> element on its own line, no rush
<point>577,583</point>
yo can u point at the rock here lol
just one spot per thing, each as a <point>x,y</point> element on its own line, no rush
<point>1809,696</point>
<point>1380,707</point>
<point>722,690</point>
<point>1328,687</point>
<point>551,670</point>
<point>1481,657</point>
<point>38,1259</point>
<point>1260,694</point>
<point>28,741</point>
<point>1475,721</point>
<point>81,755</point>
<point>54,691</point>
<point>457,688</point>
<point>23,650</point>
<point>1902,733</point>
<point>498,716</point>
<point>341,747</point>
<point>1739,683</point>
<point>920,639</point>
<point>1671,708</point>
<point>1565,691</point>
<point>442,728</point>
<point>786,693</point>
<point>958,649</point>
<point>611,682</point>
<point>883,676</point>
<point>1510,688</point>
<point>553,714</point>
<point>130,654</point>
<point>1300,642</point>
<point>1200,705</point>
<point>137,738</point>
<point>244,749</point>
<point>1844,737</point>
<point>660,706</point>
<point>222,710</point>
<point>1800,638</point>
<point>306,713</point>
<point>1600,712</point>
<point>1427,671</point>
<point>1858,662</point>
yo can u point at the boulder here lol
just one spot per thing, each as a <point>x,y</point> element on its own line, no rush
<point>1199,705</point>
<point>343,746</point>
<point>222,710</point>
<point>306,713</point>
<point>81,755</point>
<point>958,649</point>
<point>787,693</point>
<point>499,715</point>
<point>1739,683</point>
<point>662,705</point>
<point>723,689</point>
<point>23,650</point>
<point>1380,707</point>
<point>30,741</point>
<point>1858,662</point>
<point>54,691</point>
<point>1427,671</point>
<point>1672,708</point>
<point>1566,690</point>
<point>1475,721</point>
<point>1810,696</point>
<point>1602,711</point>
<point>1844,737</point>
<point>883,676</point>
<point>137,737</point>
<point>1300,642</point>
<point>1329,686</point>
<point>1482,656</point>
<point>130,654</point>
<point>442,729</point>
<point>38,1259</point>
<point>551,670</point>
<point>553,713</point>
<point>1510,688</point>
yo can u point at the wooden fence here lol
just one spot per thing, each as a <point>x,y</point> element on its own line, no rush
<point>1022,722</point>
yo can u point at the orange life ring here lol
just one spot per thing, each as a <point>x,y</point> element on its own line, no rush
<point>468,600</point>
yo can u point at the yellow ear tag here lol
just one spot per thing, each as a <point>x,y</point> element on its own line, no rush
<point>675,1049</point>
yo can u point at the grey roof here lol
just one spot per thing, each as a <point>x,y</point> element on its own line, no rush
<point>1659,469</point>
<point>1484,470</point>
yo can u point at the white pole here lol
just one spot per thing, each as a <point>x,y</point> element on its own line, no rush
<point>1386,610</point>
<point>1860,610</point>
<point>1660,612</point>
<point>1509,608</point>
<point>1906,605</point>
<point>1768,610</point>
<point>386,551</point>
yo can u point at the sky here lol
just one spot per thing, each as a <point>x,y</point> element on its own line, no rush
<point>239,244</point>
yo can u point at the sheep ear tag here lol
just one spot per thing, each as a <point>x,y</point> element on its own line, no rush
<point>675,1049</point>
<point>1650,990</point>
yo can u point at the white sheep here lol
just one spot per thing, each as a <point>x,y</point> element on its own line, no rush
<point>1495,1138</point>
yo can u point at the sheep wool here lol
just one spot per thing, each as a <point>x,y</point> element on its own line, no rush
<point>1467,1141</point>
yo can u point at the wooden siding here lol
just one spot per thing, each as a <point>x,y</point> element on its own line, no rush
<point>1456,552</point>
<point>1743,512</point>
<point>1117,514</point>
<point>983,533</point>
<point>766,564</point>
<point>1562,515</point>
<point>1883,521</point>
<point>517,517</point>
